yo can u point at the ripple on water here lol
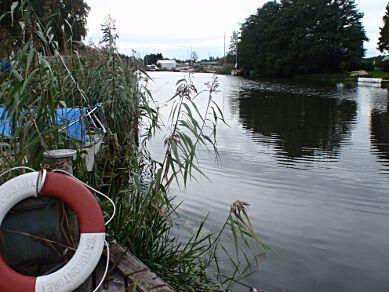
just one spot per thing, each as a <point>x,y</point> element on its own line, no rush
<point>312,161</point>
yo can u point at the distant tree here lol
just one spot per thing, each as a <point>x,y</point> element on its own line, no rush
<point>67,19</point>
<point>383,41</point>
<point>234,43</point>
<point>194,57</point>
<point>151,59</point>
<point>233,48</point>
<point>302,36</point>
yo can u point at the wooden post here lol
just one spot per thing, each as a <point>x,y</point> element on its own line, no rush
<point>63,159</point>
<point>60,159</point>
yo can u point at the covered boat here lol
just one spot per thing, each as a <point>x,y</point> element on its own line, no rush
<point>85,127</point>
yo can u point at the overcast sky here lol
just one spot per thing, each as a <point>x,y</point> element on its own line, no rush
<point>175,27</point>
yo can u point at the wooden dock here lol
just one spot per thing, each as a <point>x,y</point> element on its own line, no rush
<point>126,273</point>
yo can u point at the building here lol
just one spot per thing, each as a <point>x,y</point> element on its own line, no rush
<point>210,66</point>
<point>167,64</point>
<point>151,67</point>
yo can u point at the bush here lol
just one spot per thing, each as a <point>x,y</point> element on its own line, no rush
<point>385,66</point>
<point>225,69</point>
<point>42,80</point>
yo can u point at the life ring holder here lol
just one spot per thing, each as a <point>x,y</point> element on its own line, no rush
<point>91,225</point>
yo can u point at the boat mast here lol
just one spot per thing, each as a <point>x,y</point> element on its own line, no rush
<point>225,58</point>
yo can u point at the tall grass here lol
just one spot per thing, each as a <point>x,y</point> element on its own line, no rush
<point>42,80</point>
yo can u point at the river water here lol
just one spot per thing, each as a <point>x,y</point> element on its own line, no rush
<point>313,163</point>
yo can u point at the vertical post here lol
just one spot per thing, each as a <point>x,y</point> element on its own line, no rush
<point>225,57</point>
<point>61,159</point>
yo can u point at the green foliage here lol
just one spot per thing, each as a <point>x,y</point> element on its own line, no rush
<point>194,57</point>
<point>232,56</point>
<point>385,66</point>
<point>42,80</point>
<point>378,63</point>
<point>379,74</point>
<point>67,19</point>
<point>383,41</point>
<point>233,48</point>
<point>226,69</point>
<point>151,59</point>
<point>302,36</point>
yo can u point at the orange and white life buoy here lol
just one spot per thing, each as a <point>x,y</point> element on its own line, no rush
<point>91,224</point>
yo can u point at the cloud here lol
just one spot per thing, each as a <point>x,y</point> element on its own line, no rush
<point>174,27</point>
<point>373,12</point>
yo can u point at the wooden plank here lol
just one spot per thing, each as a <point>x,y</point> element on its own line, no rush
<point>136,272</point>
<point>114,282</point>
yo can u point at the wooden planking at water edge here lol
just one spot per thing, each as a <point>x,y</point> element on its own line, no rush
<point>127,268</point>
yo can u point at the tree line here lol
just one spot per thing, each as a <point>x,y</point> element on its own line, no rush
<point>383,41</point>
<point>302,36</point>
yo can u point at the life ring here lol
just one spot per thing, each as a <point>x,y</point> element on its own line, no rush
<point>91,225</point>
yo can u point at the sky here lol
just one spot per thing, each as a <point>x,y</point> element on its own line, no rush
<point>177,27</point>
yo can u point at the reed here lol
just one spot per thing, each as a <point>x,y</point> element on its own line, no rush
<point>43,79</point>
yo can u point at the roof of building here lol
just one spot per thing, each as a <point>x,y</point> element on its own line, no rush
<point>166,61</point>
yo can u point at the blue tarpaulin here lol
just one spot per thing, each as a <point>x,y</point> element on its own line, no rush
<point>5,125</point>
<point>72,121</point>
<point>5,67</point>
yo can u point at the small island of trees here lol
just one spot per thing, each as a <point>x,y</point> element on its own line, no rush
<point>302,37</point>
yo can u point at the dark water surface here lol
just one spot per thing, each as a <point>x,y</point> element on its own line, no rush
<point>313,162</point>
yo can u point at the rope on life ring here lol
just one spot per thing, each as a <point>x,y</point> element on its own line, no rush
<point>91,224</point>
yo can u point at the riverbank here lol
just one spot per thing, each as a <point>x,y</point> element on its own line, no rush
<point>328,78</point>
<point>44,82</point>
<point>333,77</point>
<point>378,74</point>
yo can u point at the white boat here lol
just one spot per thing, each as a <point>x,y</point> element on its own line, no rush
<point>235,70</point>
<point>370,80</point>
<point>152,68</point>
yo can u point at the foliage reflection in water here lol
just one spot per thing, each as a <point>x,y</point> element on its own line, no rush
<point>312,161</point>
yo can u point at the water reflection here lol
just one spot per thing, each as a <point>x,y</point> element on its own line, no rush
<point>301,125</point>
<point>380,126</point>
<point>327,223</point>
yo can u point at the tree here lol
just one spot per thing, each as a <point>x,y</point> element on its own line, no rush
<point>194,57</point>
<point>234,43</point>
<point>253,43</point>
<point>152,58</point>
<point>233,49</point>
<point>302,36</point>
<point>383,41</point>
<point>67,19</point>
